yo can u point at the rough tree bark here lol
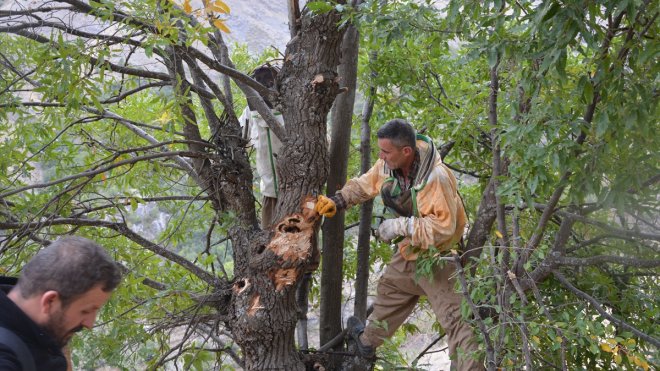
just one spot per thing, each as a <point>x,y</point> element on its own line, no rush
<point>366,209</point>
<point>333,228</point>
<point>264,308</point>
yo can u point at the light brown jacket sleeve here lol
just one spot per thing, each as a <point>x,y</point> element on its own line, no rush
<point>365,187</point>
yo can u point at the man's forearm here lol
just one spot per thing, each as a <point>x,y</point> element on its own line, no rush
<point>339,201</point>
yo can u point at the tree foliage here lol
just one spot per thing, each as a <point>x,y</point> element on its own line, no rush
<point>549,114</point>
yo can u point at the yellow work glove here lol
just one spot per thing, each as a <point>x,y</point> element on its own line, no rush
<point>325,206</point>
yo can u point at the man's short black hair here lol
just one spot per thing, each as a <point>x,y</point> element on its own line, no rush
<point>265,75</point>
<point>399,131</point>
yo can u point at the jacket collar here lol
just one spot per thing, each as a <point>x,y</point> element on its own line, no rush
<point>14,319</point>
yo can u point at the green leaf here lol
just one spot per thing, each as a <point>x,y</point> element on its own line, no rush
<point>493,57</point>
<point>602,124</point>
<point>554,8</point>
<point>588,92</point>
<point>319,6</point>
<point>561,64</point>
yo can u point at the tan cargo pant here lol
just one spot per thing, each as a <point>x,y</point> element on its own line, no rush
<point>398,294</point>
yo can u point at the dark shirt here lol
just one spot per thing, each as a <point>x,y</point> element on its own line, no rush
<point>406,182</point>
<point>46,353</point>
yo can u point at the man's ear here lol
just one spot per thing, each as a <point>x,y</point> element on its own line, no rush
<point>49,300</point>
<point>408,151</point>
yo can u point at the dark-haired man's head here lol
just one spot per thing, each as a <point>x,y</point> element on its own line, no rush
<point>399,131</point>
<point>397,143</point>
<point>265,75</point>
<point>64,285</point>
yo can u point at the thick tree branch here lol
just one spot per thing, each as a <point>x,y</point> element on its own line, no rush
<point>498,163</point>
<point>252,89</point>
<point>118,15</point>
<point>33,11</point>
<point>95,62</point>
<point>601,259</point>
<point>491,364</point>
<point>202,78</point>
<point>165,253</point>
<point>217,42</point>
<point>126,94</point>
<point>32,104</point>
<point>366,209</point>
<point>548,264</point>
<point>127,232</point>
<point>71,31</point>
<point>256,101</point>
<point>294,17</point>
<point>146,136</point>
<point>116,201</point>
<point>622,325</point>
<point>92,173</point>
<point>239,77</point>
<point>596,240</point>
<point>145,281</point>
<point>539,231</point>
<point>481,227</point>
<point>190,128</point>
<point>621,233</point>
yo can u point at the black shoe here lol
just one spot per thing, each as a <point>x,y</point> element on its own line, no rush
<point>355,328</point>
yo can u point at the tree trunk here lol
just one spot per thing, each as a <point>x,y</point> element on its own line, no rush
<point>366,212</point>
<point>333,228</point>
<point>264,311</point>
<point>264,307</point>
<point>302,301</point>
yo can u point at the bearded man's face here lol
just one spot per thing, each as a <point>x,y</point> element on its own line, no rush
<point>65,320</point>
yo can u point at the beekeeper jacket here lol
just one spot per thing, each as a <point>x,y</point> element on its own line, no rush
<point>266,144</point>
<point>438,216</point>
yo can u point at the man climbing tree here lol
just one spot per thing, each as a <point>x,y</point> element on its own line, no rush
<point>422,192</point>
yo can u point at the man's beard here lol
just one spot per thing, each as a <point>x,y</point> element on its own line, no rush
<point>59,333</point>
